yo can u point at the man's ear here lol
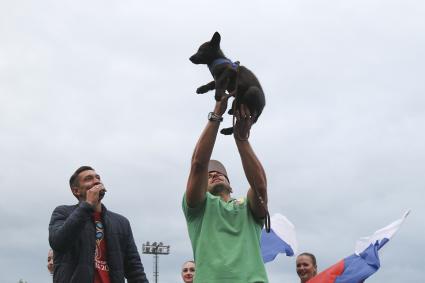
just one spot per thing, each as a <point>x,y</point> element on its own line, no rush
<point>75,192</point>
<point>215,40</point>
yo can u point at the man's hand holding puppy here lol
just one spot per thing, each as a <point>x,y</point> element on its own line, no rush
<point>221,105</point>
<point>244,121</point>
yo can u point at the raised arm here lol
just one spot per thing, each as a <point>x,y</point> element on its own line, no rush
<point>198,176</point>
<point>65,226</point>
<point>254,171</point>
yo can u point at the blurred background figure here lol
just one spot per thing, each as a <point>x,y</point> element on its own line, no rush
<point>188,271</point>
<point>306,266</point>
<point>50,266</point>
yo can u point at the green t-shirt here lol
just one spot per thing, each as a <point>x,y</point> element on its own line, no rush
<point>225,241</point>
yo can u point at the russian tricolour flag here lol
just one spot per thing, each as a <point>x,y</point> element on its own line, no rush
<point>365,260</point>
<point>281,239</point>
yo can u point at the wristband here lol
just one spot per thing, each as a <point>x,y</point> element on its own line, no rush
<point>214,117</point>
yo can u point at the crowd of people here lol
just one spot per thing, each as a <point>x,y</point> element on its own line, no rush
<point>92,244</point>
<point>306,267</point>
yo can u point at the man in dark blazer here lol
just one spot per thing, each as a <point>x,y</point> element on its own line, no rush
<point>92,244</point>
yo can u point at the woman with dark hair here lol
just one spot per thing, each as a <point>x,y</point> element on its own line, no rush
<point>188,271</point>
<point>306,266</point>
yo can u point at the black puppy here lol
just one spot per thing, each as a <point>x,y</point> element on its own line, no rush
<point>237,80</point>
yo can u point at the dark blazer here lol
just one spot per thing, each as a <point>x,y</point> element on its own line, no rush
<point>72,238</point>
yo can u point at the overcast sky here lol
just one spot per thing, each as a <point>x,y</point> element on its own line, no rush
<point>109,84</point>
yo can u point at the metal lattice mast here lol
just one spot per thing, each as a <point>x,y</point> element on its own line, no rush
<point>156,249</point>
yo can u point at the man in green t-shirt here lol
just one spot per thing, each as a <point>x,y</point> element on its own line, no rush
<point>225,232</point>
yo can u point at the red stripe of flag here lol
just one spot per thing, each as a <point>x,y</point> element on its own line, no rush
<point>329,275</point>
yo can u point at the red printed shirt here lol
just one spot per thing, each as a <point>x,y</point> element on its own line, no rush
<point>101,274</point>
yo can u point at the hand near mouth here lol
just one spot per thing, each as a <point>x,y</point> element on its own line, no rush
<point>95,194</point>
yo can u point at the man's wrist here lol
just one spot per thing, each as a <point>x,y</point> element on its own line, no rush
<point>218,109</point>
<point>87,205</point>
<point>240,141</point>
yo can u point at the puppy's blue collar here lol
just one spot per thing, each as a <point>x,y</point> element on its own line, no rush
<point>220,61</point>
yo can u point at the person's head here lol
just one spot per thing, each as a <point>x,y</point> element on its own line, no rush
<point>188,271</point>
<point>50,261</point>
<point>306,266</point>
<point>218,180</point>
<point>83,179</point>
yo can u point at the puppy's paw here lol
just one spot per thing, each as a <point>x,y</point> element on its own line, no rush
<point>202,89</point>
<point>227,131</point>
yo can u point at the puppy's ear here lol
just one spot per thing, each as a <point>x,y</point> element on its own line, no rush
<point>215,40</point>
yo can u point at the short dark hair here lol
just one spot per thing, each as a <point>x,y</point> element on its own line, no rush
<point>313,258</point>
<point>73,181</point>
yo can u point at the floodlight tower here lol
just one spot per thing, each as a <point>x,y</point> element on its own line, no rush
<point>156,249</point>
